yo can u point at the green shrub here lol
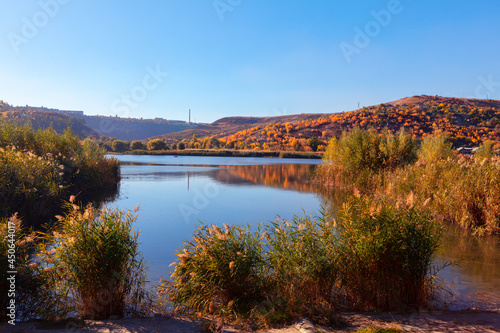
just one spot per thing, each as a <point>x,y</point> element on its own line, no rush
<point>137,144</point>
<point>120,146</point>
<point>313,142</point>
<point>156,144</point>
<point>397,150</point>
<point>385,255</point>
<point>40,168</point>
<point>94,263</point>
<point>220,271</point>
<point>302,260</point>
<point>358,157</point>
<point>486,149</point>
<point>435,147</point>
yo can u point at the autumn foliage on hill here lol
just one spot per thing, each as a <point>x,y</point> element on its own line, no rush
<point>467,122</point>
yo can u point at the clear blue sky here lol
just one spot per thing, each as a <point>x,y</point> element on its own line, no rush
<point>243,57</point>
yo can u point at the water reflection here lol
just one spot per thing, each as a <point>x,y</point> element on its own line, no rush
<point>295,177</point>
<point>475,280</point>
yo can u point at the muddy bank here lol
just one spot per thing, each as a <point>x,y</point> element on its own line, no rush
<point>446,321</point>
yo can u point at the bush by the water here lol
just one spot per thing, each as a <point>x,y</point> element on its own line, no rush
<point>219,271</point>
<point>460,189</point>
<point>369,258</point>
<point>93,261</point>
<point>384,255</point>
<point>38,169</point>
<point>89,265</point>
<point>360,155</point>
<point>303,270</point>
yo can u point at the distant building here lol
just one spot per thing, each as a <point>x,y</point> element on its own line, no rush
<point>466,150</point>
<point>66,112</point>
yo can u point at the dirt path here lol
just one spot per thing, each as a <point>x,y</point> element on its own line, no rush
<point>460,321</point>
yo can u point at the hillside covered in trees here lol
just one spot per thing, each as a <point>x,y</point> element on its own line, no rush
<point>468,122</point>
<point>230,125</point>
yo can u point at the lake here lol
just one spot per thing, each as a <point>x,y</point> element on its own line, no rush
<point>176,193</point>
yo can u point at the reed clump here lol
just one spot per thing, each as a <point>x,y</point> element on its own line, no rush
<point>93,262</point>
<point>464,190</point>
<point>358,158</point>
<point>218,272</point>
<point>455,188</point>
<point>385,255</point>
<point>39,169</point>
<point>302,260</point>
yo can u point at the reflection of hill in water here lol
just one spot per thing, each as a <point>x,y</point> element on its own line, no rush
<point>294,177</point>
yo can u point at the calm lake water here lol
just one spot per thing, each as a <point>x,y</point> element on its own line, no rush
<point>176,193</point>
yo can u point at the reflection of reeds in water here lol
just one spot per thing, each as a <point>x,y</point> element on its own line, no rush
<point>478,257</point>
<point>295,177</point>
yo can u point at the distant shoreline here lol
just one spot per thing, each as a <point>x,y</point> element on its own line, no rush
<point>224,153</point>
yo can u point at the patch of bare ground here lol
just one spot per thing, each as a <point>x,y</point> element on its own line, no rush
<point>434,321</point>
<point>426,99</point>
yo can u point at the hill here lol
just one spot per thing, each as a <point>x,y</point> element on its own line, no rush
<point>426,99</point>
<point>130,129</point>
<point>42,118</point>
<point>468,122</point>
<point>231,125</point>
<point>97,126</point>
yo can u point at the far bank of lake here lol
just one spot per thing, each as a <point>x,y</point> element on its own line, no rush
<point>227,153</point>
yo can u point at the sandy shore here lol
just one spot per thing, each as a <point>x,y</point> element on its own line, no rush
<point>457,321</point>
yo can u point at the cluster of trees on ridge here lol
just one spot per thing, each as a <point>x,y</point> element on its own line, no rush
<point>311,144</point>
